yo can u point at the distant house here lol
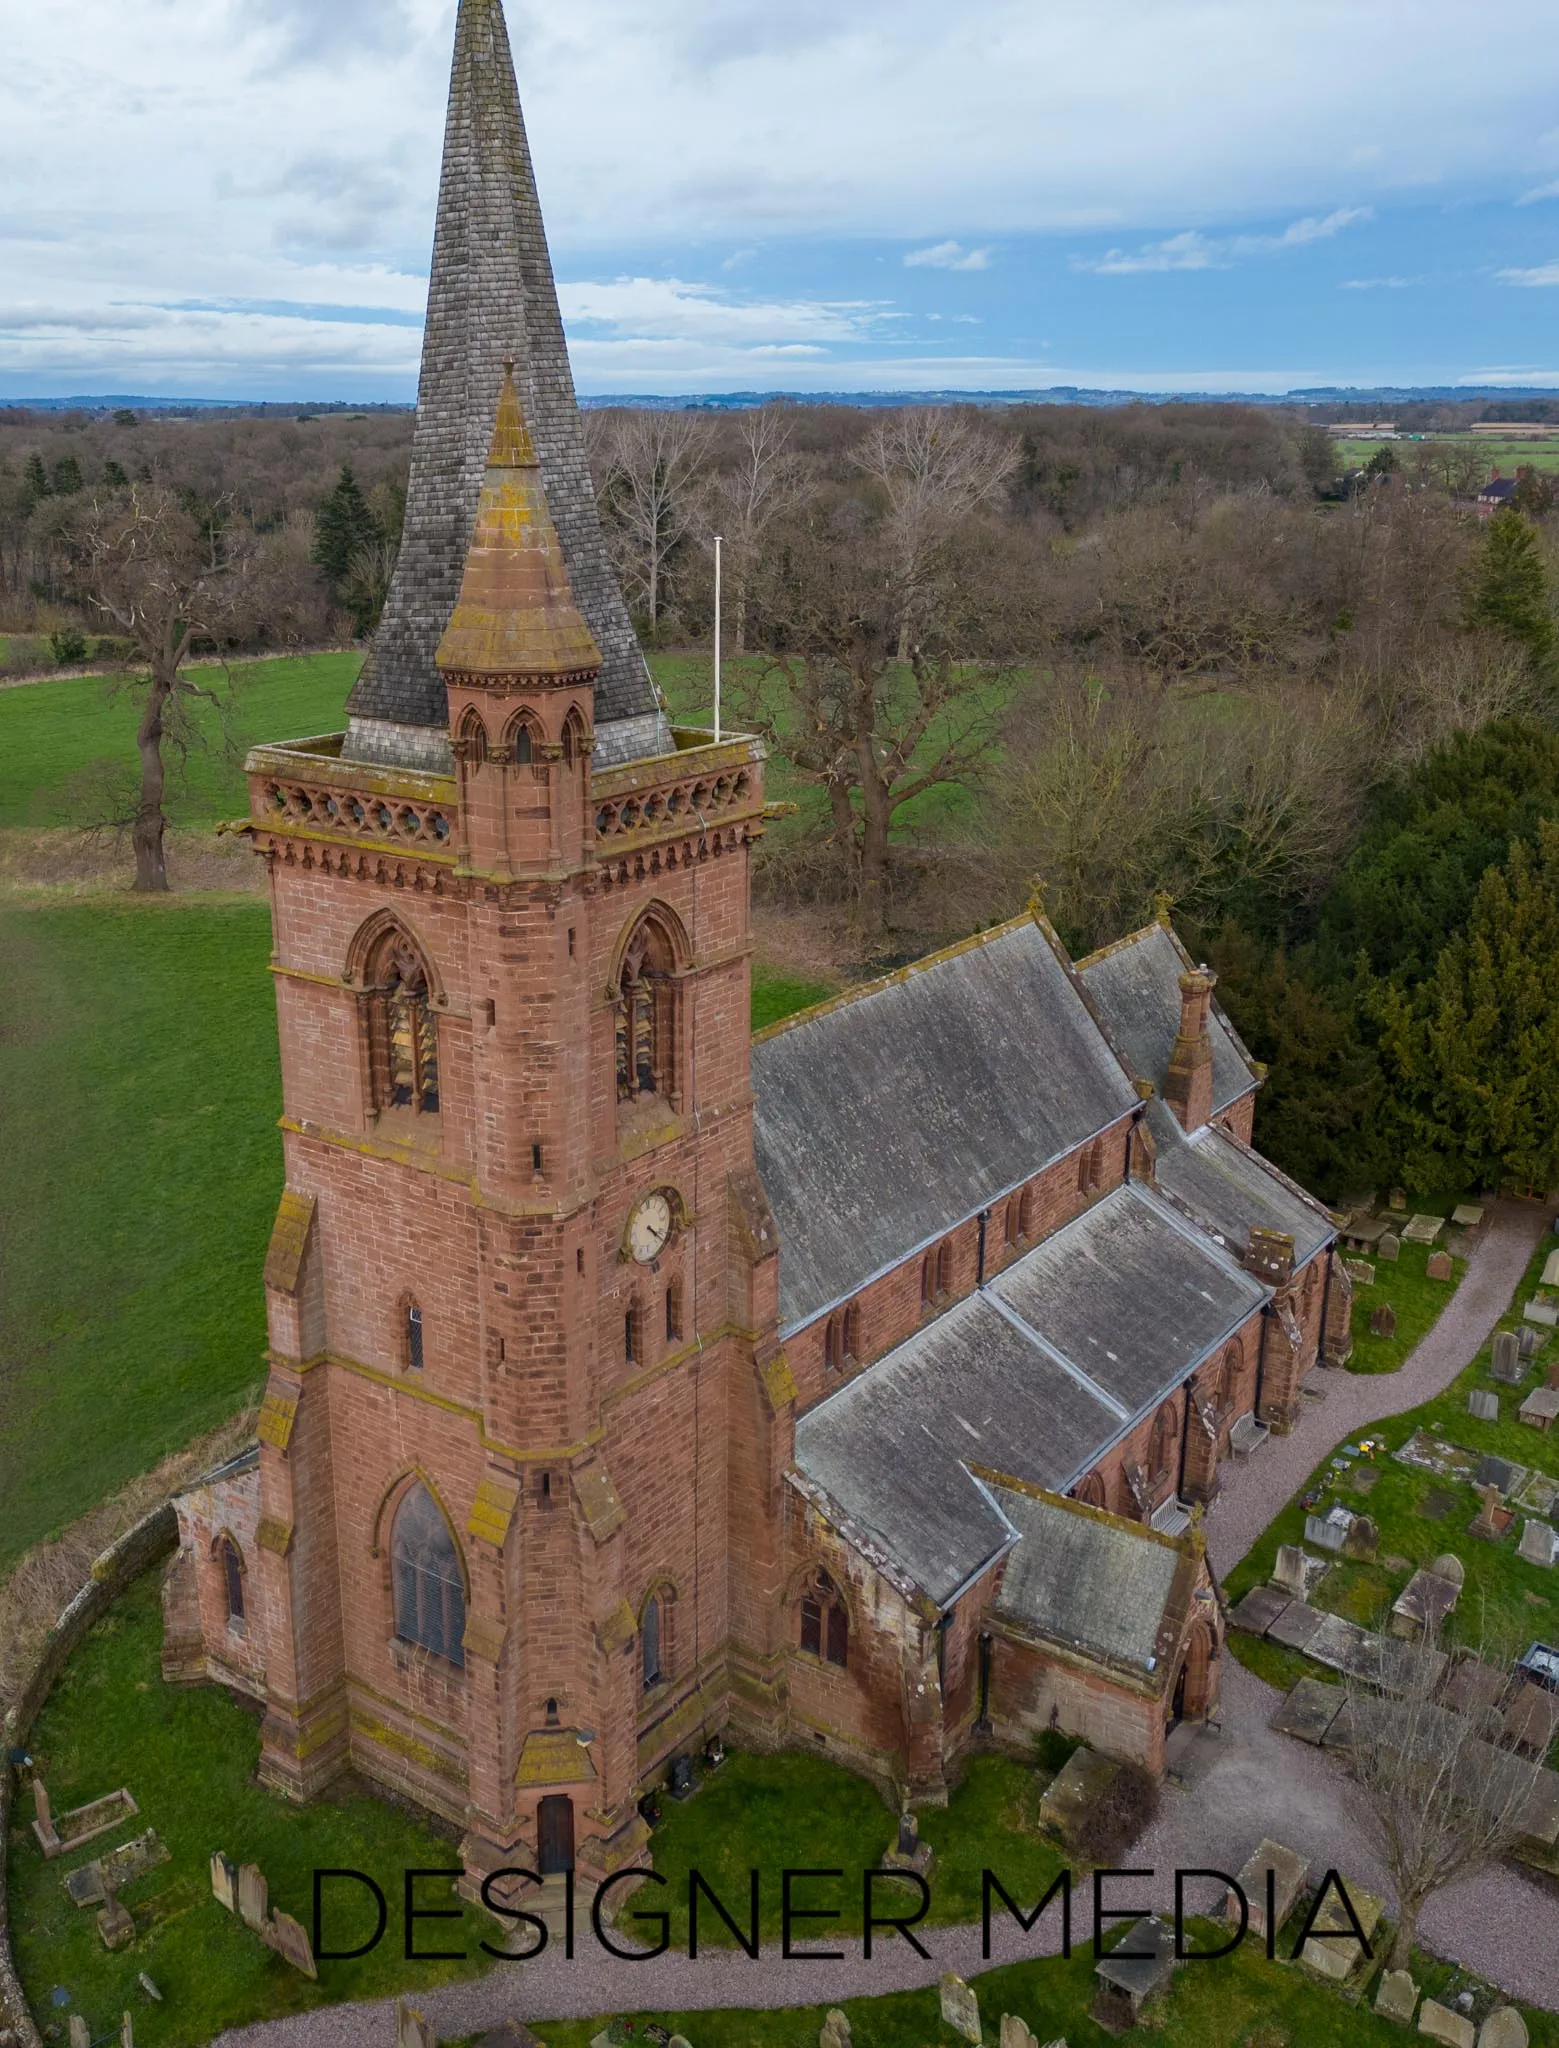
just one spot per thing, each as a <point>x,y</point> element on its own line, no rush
<point>1495,495</point>
<point>1363,430</point>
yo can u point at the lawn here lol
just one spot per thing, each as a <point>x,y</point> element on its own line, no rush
<point>1406,1285</point>
<point>188,1756</point>
<point>1419,1513</point>
<point>1506,456</point>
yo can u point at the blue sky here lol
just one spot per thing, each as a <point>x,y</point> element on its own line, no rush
<point>211,198</point>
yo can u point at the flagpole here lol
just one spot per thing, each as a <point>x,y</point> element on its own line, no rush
<point>717,639</point>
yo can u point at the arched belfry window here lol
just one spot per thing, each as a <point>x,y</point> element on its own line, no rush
<point>645,999</point>
<point>574,742</point>
<point>472,738</point>
<point>402,1029</point>
<point>524,746</point>
<point>430,1596</point>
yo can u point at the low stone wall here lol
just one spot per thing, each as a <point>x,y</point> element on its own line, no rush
<point>138,1549</point>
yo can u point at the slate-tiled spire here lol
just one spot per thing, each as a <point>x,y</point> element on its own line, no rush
<point>491,298</point>
<point>516,620</point>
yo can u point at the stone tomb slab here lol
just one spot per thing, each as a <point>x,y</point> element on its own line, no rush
<point>1423,1603</point>
<point>1540,1407</point>
<point>1259,1609</point>
<point>1083,1779</point>
<point>1308,1712</point>
<point>1474,1688</point>
<point>1423,1229</point>
<point>1441,2024</point>
<point>1501,1473</point>
<point>1532,1719</point>
<point>1338,1960</point>
<point>1538,1495</point>
<point>1296,1626</point>
<point>97,1881</point>
<point>1287,1870</point>
<point>1467,1216</point>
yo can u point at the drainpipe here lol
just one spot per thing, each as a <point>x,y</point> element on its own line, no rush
<point>986,1645</point>
<point>1261,1357</point>
<point>979,1276</point>
<point>1326,1302</point>
<point>1185,1438</point>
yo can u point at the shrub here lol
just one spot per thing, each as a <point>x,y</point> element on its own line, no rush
<point>1126,1808</point>
<point>69,646</point>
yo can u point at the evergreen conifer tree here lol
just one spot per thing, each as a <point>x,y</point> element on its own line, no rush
<point>343,528</point>
<point>114,476</point>
<point>35,480</point>
<point>67,477</point>
<point>1509,593</point>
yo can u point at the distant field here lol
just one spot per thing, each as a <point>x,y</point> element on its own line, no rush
<point>1506,456</point>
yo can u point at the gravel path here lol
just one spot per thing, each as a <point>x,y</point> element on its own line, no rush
<point>1238,1786</point>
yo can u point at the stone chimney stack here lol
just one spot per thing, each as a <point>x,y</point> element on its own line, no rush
<point>1189,1087</point>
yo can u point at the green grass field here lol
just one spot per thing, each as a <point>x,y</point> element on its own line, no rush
<point>1406,1287</point>
<point>1506,456</point>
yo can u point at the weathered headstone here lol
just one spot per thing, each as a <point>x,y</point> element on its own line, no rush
<point>1507,1363</point>
<point>1450,1567</point>
<point>1397,1200</point>
<point>115,1925</point>
<point>127,2032</point>
<point>1289,1571</point>
<point>291,1943</point>
<point>1487,1522</point>
<point>1544,1313</point>
<point>1397,1997</point>
<point>960,2007</point>
<point>1329,1531</point>
<point>1528,1342</point>
<point>1383,1320</point>
<point>1441,2024</point>
<point>80,2032</point>
<point>1389,1248</point>
<point>1504,2028</point>
<point>149,1987</point>
<point>835,2031</point>
<point>1439,1266</point>
<point>224,1881</point>
<point>1016,2033</point>
<point>1483,1402</point>
<point>1360,1272</point>
<point>254,1896</point>
<point>1467,1215</point>
<point>1538,1542</point>
<point>909,1833</point>
<point>679,2041</point>
<point>1363,1540</point>
<point>411,2029</point>
<point>43,1823</point>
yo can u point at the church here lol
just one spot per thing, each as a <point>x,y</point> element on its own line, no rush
<point>633,1378</point>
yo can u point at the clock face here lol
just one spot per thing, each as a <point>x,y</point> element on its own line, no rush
<point>649,1228</point>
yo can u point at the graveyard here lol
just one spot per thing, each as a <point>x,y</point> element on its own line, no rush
<point>1404,1275</point>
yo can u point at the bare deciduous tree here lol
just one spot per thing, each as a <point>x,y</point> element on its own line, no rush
<point>648,466</point>
<point>766,481</point>
<point>935,468</point>
<point>163,581</point>
<point>1443,1794</point>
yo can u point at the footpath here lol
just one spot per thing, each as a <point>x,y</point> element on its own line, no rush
<point>1238,1786</point>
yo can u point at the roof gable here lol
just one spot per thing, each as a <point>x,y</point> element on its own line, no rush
<point>1136,984</point>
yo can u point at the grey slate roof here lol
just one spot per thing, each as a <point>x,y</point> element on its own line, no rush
<point>1013,1379</point>
<point>1230,1190</point>
<point>491,296</point>
<point>1131,1294</point>
<point>1086,1580</point>
<point>885,1120</point>
<point>1136,985</point>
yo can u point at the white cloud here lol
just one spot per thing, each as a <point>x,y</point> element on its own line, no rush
<point>671,309</point>
<point>1192,250</point>
<point>1378,284</point>
<point>1548,191</point>
<point>1540,274</point>
<point>948,256</point>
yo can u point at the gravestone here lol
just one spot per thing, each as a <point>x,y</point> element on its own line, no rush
<point>127,2032</point>
<point>291,1943</point>
<point>1507,1362</point>
<point>149,1987</point>
<point>960,2007</point>
<point>80,2032</point>
<point>411,2029</point>
<point>1363,1540</point>
<point>1397,1997</point>
<point>1360,1272</point>
<point>1543,1313</point>
<point>1448,1566</point>
<point>1328,1531</point>
<point>1383,1320</point>
<point>1288,1870</point>
<point>1423,1229</point>
<point>1289,1571</point>
<point>1553,1374</point>
<point>1016,2033</point>
<point>1486,1523</point>
<point>1467,1215</point>
<point>254,1896</point>
<point>43,1824</point>
<point>1528,1342</point>
<point>1389,1248</point>
<point>835,2031</point>
<point>1339,1959</point>
<point>1484,1404</point>
<point>224,1881</point>
<point>1538,1541</point>
<point>679,2041</point>
<point>1397,1200</point>
<point>1504,2028</point>
<point>1441,2024</point>
<point>1439,1266</point>
<point>115,1925</point>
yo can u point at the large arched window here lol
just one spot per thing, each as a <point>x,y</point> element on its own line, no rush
<point>402,1029</point>
<point>825,1621</point>
<point>652,1643</point>
<point>430,1595</point>
<point>645,1000</point>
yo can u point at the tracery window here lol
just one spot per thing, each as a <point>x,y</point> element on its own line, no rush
<point>825,1622</point>
<point>645,999</point>
<point>430,1595</point>
<point>403,1031</point>
<point>233,1579</point>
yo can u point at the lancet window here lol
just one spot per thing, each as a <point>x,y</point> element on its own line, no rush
<point>646,1015</point>
<point>430,1594</point>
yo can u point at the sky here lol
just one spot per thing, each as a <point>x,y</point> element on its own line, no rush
<point>234,198</point>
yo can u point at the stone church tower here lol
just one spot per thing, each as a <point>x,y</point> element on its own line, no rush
<point>489,1554</point>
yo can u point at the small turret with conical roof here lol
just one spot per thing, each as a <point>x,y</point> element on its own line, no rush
<point>519,664</point>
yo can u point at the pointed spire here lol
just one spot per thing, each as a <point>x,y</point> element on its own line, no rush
<point>491,297</point>
<point>516,620</point>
